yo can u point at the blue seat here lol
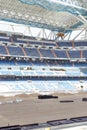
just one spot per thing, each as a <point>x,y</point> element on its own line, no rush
<point>32,52</point>
<point>3,50</point>
<point>60,54</point>
<point>75,54</point>
<point>15,51</point>
<point>46,53</point>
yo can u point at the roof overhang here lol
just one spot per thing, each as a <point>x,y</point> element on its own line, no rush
<point>54,15</point>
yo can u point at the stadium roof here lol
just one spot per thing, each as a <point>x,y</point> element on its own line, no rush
<point>56,15</point>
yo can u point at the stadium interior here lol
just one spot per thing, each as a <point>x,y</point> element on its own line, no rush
<point>47,63</point>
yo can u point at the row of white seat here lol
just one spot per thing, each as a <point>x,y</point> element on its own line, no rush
<point>15,87</point>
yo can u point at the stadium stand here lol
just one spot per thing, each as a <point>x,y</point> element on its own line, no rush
<point>46,53</point>
<point>61,53</point>
<point>74,54</point>
<point>64,44</point>
<point>31,52</point>
<point>85,54</point>
<point>2,50</point>
<point>80,44</point>
<point>13,50</point>
<point>49,62</point>
<point>44,74</point>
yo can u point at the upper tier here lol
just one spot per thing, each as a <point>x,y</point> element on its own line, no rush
<point>25,46</point>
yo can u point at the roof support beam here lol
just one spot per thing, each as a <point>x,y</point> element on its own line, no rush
<point>69,36</point>
<point>29,30</point>
<point>78,34</point>
<point>82,19</point>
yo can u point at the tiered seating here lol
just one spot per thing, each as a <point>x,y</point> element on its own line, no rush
<point>32,40</point>
<point>60,53</point>
<point>47,69</point>
<point>73,72</point>
<point>42,43</point>
<point>85,54</point>
<point>74,54</point>
<point>22,39</point>
<point>4,37</point>
<point>31,52</point>
<point>28,73</point>
<point>2,50</point>
<point>17,72</point>
<point>83,43</point>
<point>80,64</point>
<point>15,38</point>
<point>7,62</point>
<point>23,63</point>
<point>64,64</point>
<point>65,44</point>
<point>35,87</point>
<point>39,63</point>
<point>6,72</point>
<point>65,86</point>
<point>14,50</point>
<point>49,44</point>
<point>46,53</point>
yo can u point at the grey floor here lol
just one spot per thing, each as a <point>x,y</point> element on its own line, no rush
<point>34,110</point>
